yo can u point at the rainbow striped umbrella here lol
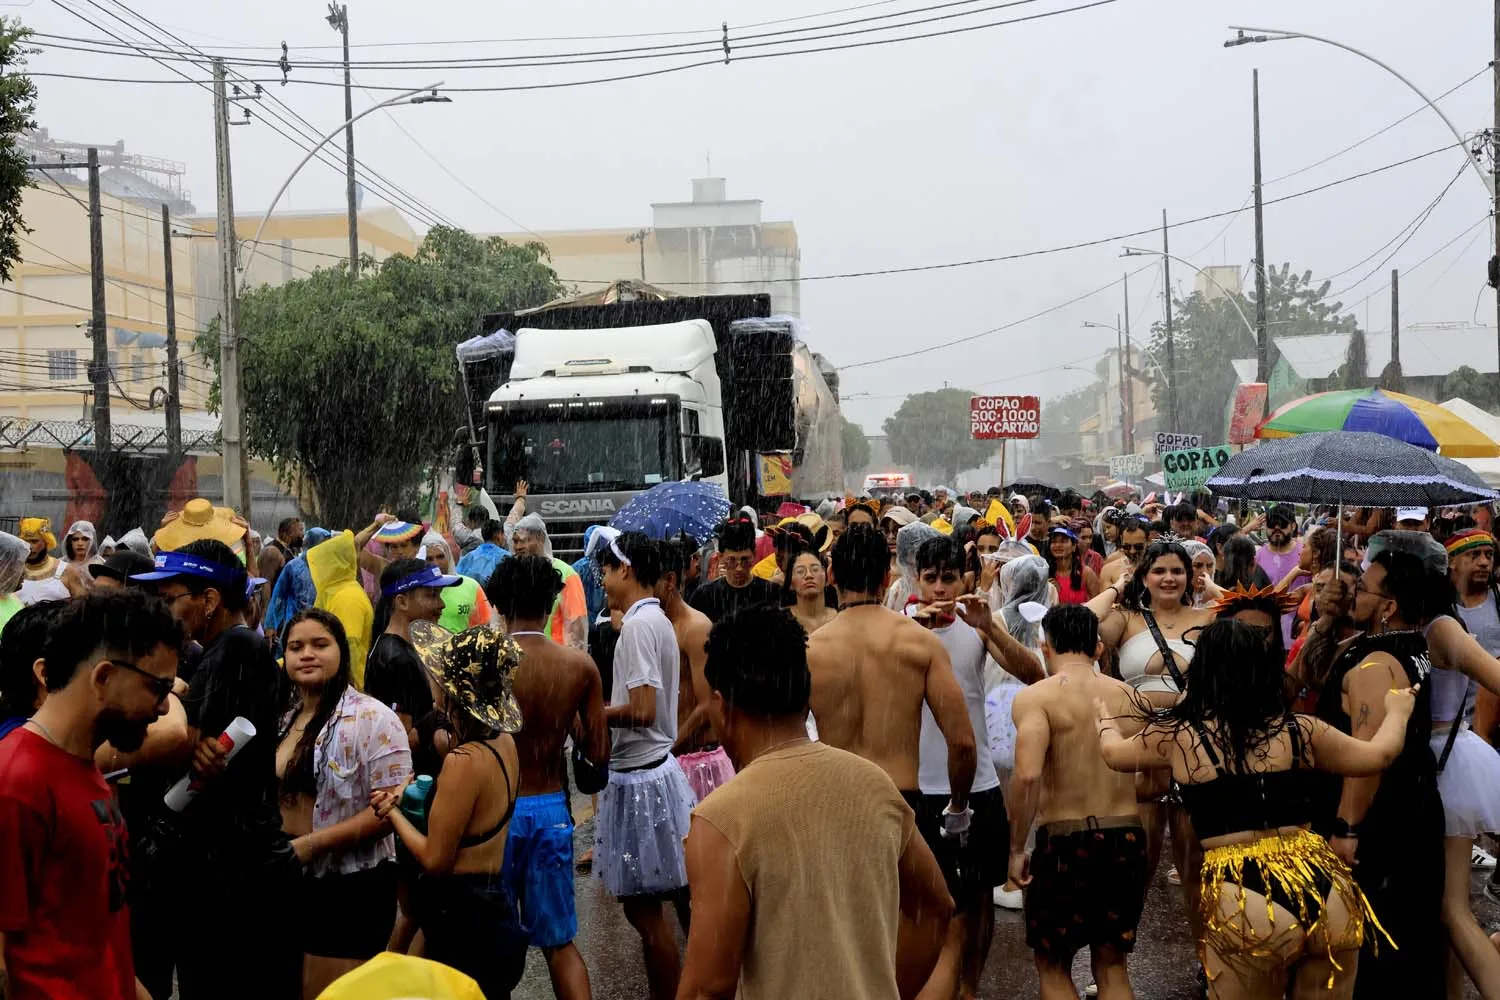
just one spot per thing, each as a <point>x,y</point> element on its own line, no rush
<point>1393,414</point>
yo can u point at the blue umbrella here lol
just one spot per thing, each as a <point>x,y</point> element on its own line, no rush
<point>665,510</point>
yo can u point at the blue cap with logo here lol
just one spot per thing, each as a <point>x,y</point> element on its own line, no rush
<point>175,564</point>
<point>430,576</point>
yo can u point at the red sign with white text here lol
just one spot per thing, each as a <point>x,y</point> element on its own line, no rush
<point>996,417</point>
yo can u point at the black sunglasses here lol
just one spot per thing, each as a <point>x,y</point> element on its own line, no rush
<point>159,686</point>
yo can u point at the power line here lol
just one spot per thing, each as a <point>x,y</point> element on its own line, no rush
<point>1026,254</point>
<point>510,88</point>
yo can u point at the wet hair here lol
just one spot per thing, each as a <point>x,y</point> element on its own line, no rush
<point>1239,564</point>
<point>941,554</point>
<point>1281,514</point>
<point>1233,682</point>
<point>493,529</point>
<point>1136,597</point>
<point>988,529</point>
<point>1129,525</point>
<point>286,524</point>
<point>1075,571</point>
<point>677,554</point>
<point>394,571</point>
<point>126,622</point>
<point>1276,647</point>
<point>1158,528</point>
<point>860,560</point>
<point>299,777</point>
<point>1180,512</point>
<point>642,553</point>
<point>209,550</point>
<point>1420,594</point>
<point>788,588</point>
<point>757,659</point>
<point>22,643</point>
<point>524,587</point>
<point>1322,542</point>
<point>1072,628</point>
<point>737,535</point>
<point>1220,537</point>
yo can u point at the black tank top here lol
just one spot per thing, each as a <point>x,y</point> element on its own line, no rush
<point>1235,802</point>
<point>1408,788</point>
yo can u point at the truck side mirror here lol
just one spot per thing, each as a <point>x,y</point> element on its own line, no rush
<point>708,455</point>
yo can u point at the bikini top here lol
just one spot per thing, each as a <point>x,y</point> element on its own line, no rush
<point>475,839</point>
<point>1233,802</point>
<point>1136,654</point>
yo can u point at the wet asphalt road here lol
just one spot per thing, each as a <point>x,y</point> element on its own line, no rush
<point>1162,967</point>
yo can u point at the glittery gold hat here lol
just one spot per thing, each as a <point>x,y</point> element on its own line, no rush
<point>474,667</point>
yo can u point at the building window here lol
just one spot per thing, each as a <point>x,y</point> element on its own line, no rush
<point>62,366</point>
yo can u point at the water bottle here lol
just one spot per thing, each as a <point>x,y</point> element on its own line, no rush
<point>414,800</point>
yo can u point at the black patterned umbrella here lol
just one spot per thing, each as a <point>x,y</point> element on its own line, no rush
<point>1354,468</point>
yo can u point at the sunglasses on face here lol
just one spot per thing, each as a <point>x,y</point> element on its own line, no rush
<point>1133,550</point>
<point>159,686</point>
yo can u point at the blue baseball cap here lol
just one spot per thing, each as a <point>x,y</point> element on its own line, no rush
<point>1058,529</point>
<point>430,576</point>
<point>175,564</point>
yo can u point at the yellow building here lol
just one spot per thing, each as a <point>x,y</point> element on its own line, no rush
<point>45,348</point>
<point>711,245</point>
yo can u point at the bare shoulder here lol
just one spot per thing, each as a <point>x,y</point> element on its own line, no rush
<point>696,625</point>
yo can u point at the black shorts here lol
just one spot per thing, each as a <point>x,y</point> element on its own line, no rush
<point>1087,890</point>
<point>976,867</point>
<point>349,916</point>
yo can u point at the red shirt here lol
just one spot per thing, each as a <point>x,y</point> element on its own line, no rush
<point>62,876</point>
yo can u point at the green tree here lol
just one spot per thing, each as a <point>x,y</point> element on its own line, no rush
<point>931,431</point>
<point>1466,383</point>
<point>855,447</point>
<point>355,383</point>
<point>17,106</point>
<point>1208,333</point>
<point>1353,374</point>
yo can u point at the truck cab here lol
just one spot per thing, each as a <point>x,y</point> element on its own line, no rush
<point>589,418</point>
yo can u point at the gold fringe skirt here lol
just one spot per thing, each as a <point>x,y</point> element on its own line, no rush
<point>1299,871</point>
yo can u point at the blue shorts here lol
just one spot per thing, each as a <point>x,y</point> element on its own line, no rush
<point>539,868</point>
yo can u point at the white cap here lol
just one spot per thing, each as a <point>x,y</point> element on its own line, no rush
<point>1411,514</point>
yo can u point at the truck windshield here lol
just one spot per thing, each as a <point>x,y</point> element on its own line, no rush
<point>583,449</point>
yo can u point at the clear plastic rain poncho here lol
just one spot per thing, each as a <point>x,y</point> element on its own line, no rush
<point>136,541</point>
<point>532,523</point>
<point>80,529</point>
<point>908,540</point>
<point>13,552</point>
<point>1023,580</point>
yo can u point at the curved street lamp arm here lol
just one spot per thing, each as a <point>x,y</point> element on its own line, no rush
<point>255,240</point>
<point>1278,35</point>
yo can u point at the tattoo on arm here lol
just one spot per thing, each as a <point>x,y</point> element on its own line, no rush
<point>1362,719</point>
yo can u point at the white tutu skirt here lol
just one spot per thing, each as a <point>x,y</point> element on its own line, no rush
<point>643,819</point>
<point>997,718</point>
<point>1469,784</point>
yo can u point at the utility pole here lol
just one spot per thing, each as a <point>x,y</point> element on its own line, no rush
<point>231,411</point>
<point>174,401</point>
<point>1129,382</point>
<point>1166,278</point>
<point>1495,185</point>
<point>1262,342</point>
<point>1395,318</point>
<point>338,17</point>
<point>99,367</point>
<point>1120,363</point>
<point>639,237</point>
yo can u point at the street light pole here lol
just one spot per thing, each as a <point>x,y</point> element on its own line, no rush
<point>428,95</point>
<point>1262,342</point>
<point>1166,280</point>
<point>338,19</point>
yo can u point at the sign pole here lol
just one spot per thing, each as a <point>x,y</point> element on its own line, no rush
<point>1001,484</point>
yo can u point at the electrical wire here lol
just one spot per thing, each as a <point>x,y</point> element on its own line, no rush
<point>1407,271</point>
<point>511,88</point>
<point>1415,226</point>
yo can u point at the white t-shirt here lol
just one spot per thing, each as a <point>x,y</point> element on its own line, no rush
<point>646,654</point>
<point>967,651</point>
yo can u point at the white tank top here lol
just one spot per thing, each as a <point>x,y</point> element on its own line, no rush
<point>967,651</point>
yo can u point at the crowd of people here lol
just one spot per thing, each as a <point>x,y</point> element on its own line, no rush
<point>825,745</point>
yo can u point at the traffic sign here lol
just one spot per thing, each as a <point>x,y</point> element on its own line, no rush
<point>1167,441</point>
<point>1190,468</point>
<point>1000,417</point>
<point>1127,466</point>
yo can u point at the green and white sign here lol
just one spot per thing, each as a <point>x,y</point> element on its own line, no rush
<point>1190,469</point>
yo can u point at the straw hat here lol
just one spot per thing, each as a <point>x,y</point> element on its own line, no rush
<point>198,520</point>
<point>474,667</point>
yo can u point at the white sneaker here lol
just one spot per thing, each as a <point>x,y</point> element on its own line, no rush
<point>1481,860</point>
<point>1091,990</point>
<point>1008,900</point>
<point>1173,878</point>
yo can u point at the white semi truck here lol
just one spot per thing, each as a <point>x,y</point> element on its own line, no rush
<point>596,403</point>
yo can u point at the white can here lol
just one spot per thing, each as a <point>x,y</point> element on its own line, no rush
<point>232,739</point>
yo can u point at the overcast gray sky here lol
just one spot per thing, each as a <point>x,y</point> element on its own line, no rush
<point>986,143</point>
